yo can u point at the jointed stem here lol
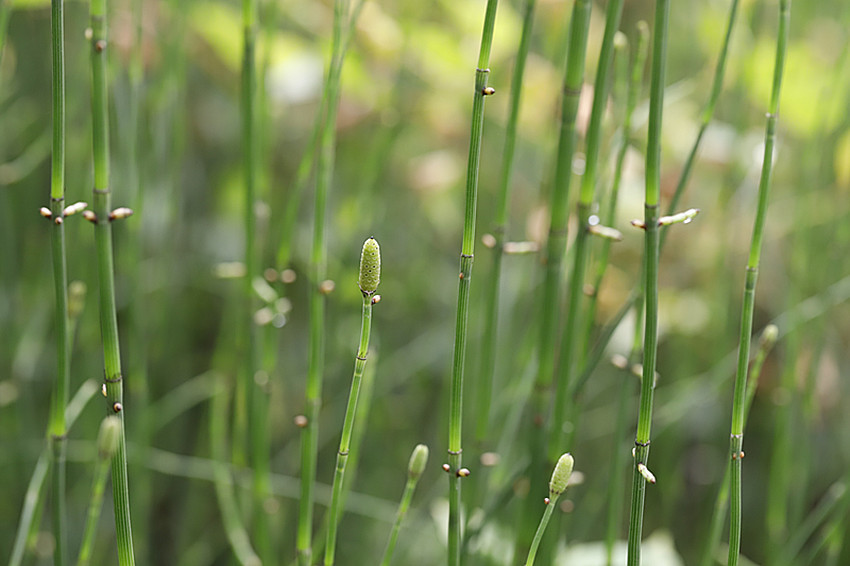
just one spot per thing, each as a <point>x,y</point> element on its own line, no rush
<point>347,428</point>
<point>105,271</point>
<point>740,399</point>
<point>651,248</point>
<point>466,261</point>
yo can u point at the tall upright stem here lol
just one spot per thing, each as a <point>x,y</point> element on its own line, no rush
<point>739,403</point>
<point>588,187</point>
<point>101,200</point>
<point>58,429</point>
<point>651,246</point>
<point>318,270</point>
<point>466,260</point>
<point>550,305</point>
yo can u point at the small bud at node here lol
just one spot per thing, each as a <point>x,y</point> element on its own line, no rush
<point>103,389</point>
<point>57,220</point>
<point>488,91</point>
<point>446,468</point>
<point>644,471</point>
<point>74,208</point>
<point>463,473</point>
<point>489,241</point>
<point>300,421</point>
<point>326,287</point>
<point>90,216</point>
<point>270,274</point>
<point>117,407</point>
<point>119,213</point>
<point>288,276</point>
<point>546,500</point>
<point>45,212</point>
<point>376,299</point>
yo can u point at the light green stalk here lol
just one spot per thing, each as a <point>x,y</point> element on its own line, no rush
<point>58,430</point>
<point>107,444</point>
<point>484,383</point>
<point>101,199</point>
<point>370,275</point>
<point>235,531</point>
<point>651,245</point>
<point>707,114</point>
<point>318,269</point>
<point>564,409</point>
<point>739,402</point>
<point>33,496</point>
<point>549,307</point>
<point>721,503</point>
<point>252,392</point>
<point>418,461</point>
<point>557,485</point>
<point>466,260</point>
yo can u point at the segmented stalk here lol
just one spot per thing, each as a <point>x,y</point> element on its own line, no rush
<point>736,439</point>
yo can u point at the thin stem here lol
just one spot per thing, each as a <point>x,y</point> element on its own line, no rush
<point>466,261</point>
<point>348,427</point>
<point>418,461</point>
<point>318,268</point>
<point>58,431</point>
<point>484,385</point>
<point>651,246</point>
<point>707,114</point>
<point>569,338</point>
<point>105,271</point>
<point>740,397</point>
<point>541,528</point>
<point>555,248</point>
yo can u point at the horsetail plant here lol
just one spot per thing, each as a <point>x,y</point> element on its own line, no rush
<point>557,486</point>
<point>370,277</point>
<point>555,248</point>
<point>739,403</point>
<point>107,445</point>
<point>563,404</point>
<point>58,429</point>
<point>102,217</point>
<point>484,383</point>
<point>415,467</point>
<point>318,270</point>
<point>718,518</point>
<point>651,245</point>
<point>455,469</point>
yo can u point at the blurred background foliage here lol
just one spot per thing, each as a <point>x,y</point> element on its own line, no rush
<point>403,134</point>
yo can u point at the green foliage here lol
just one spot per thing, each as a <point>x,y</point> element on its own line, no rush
<point>399,160</point>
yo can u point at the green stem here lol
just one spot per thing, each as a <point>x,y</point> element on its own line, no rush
<point>348,427</point>
<point>569,338</point>
<point>466,261</point>
<point>418,461</point>
<point>318,269</point>
<point>484,384</point>
<point>651,246</point>
<point>740,398</point>
<point>105,271</point>
<point>541,528</point>
<point>555,248</point>
<point>58,430</point>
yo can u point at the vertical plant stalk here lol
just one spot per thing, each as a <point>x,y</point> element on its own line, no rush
<point>235,531</point>
<point>415,467</point>
<point>103,239</point>
<point>318,270</point>
<point>651,245</point>
<point>370,275</point>
<point>553,274</point>
<point>484,384</point>
<point>739,403</point>
<point>253,389</point>
<point>707,114</point>
<point>107,444</point>
<point>464,279</point>
<point>569,338</point>
<point>557,485</point>
<point>58,430</point>
<point>721,504</point>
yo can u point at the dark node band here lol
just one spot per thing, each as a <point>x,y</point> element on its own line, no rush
<point>101,191</point>
<point>482,70</point>
<point>568,90</point>
<point>453,453</point>
<point>113,379</point>
<point>642,444</point>
<point>57,199</point>
<point>362,359</point>
<point>467,256</point>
